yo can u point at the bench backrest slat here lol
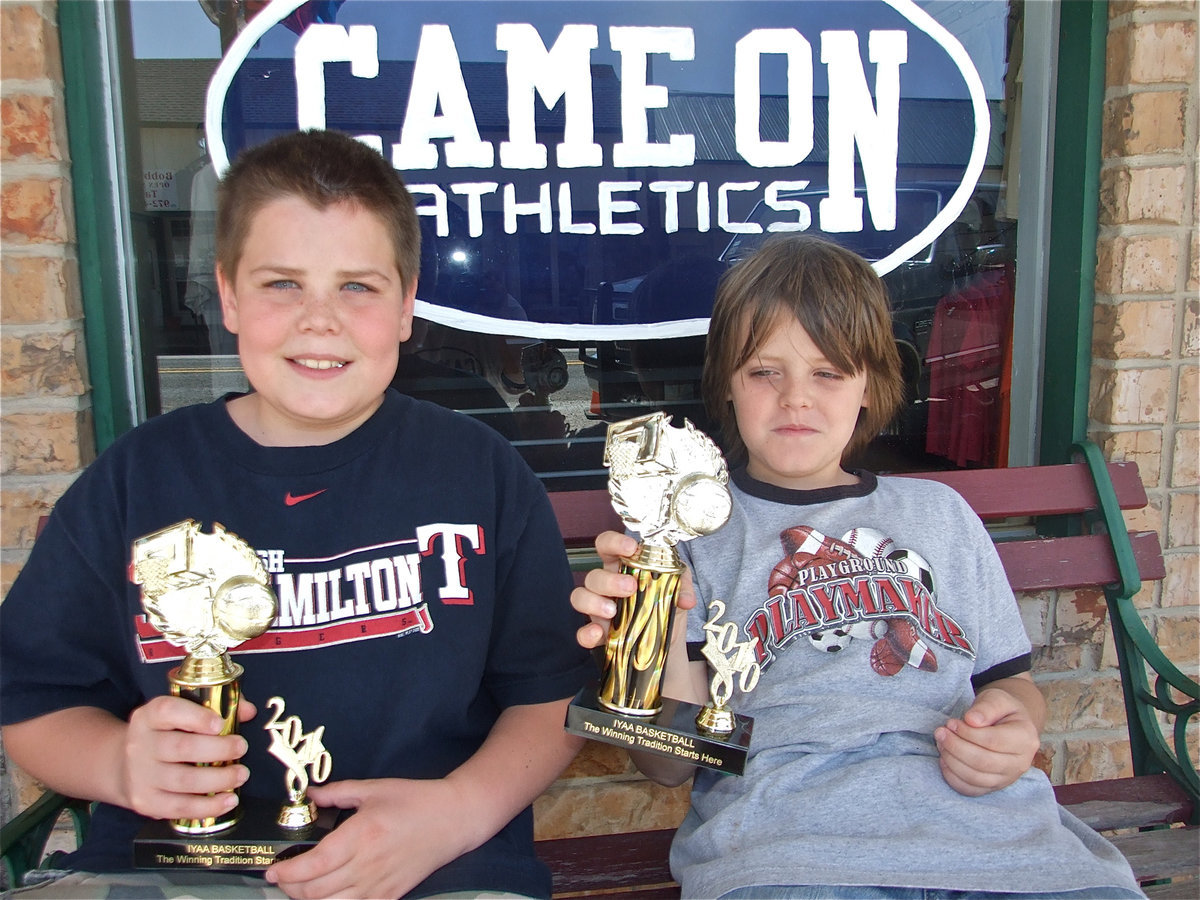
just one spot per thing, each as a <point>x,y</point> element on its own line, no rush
<point>995,494</point>
<point>1039,490</point>
<point>584,514</point>
<point>1069,562</point>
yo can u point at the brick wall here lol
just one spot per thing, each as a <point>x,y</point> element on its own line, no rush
<point>1145,403</point>
<point>45,427</point>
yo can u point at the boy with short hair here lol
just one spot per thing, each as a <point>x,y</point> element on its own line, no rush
<point>420,572</point>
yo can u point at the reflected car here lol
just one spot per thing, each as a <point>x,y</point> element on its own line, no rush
<point>978,239</point>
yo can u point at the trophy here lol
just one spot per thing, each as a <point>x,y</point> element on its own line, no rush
<point>298,752</point>
<point>207,593</point>
<point>668,484</point>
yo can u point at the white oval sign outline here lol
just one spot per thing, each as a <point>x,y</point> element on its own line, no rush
<point>278,10</point>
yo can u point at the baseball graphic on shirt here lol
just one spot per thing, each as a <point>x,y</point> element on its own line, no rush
<point>869,542</point>
<point>871,629</point>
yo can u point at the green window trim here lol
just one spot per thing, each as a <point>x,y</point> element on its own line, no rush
<point>97,208</point>
<point>1074,210</point>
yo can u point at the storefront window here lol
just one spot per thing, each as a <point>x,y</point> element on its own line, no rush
<point>586,171</point>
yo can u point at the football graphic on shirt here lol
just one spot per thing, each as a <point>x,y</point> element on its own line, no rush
<point>804,547</point>
<point>898,642</point>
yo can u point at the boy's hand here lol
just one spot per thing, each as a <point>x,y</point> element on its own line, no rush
<point>993,743</point>
<point>164,740</point>
<point>600,586</point>
<point>402,830</point>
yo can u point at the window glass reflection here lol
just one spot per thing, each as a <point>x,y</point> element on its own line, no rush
<point>581,243</point>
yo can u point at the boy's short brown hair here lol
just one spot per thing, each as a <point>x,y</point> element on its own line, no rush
<point>838,299</point>
<point>322,168</point>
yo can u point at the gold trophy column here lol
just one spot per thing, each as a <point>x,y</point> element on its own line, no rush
<point>204,593</point>
<point>636,652</point>
<point>213,683</point>
<point>669,485</point>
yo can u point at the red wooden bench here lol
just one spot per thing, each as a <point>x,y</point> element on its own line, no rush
<point>1056,527</point>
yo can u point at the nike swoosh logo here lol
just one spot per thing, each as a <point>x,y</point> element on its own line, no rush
<point>292,500</point>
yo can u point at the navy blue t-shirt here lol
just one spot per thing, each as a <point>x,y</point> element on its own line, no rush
<point>422,589</point>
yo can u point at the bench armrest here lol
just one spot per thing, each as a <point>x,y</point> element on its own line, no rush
<point>23,840</point>
<point>1174,694</point>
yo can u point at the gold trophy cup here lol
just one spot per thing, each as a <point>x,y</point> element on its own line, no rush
<point>669,485</point>
<point>207,593</point>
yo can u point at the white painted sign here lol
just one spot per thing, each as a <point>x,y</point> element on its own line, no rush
<point>448,160</point>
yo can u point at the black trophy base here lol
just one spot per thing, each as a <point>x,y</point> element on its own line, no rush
<point>672,732</point>
<point>251,845</point>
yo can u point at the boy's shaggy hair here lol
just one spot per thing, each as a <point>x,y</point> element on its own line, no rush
<point>838,299</point>
<point>322,168</point>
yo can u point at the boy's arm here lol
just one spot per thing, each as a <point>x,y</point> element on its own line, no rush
<point>405,829</point>
<point>995,740</point>
<point>146,764</point>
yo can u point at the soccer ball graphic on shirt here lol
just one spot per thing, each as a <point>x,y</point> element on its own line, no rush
<point>915,565</point>
<point>831,640</point>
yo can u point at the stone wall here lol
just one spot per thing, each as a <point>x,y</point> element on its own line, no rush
<point>47,435</point>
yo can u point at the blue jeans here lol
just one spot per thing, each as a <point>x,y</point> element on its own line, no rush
<point>851,892</point>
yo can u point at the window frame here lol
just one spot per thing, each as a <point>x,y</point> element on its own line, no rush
<point>1064,56</point>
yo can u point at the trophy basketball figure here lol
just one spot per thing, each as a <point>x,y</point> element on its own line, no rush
<point>205,593</point>
<point>669,485</point>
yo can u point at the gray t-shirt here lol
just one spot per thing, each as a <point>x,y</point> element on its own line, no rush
<point>876,611</point>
